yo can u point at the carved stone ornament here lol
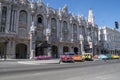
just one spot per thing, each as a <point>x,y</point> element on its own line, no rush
<point>33,7</point>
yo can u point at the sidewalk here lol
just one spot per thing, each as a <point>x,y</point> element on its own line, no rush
<point>51,61</point>
<point>28,61</point>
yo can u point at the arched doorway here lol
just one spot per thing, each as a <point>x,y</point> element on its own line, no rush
<point>55,51</point>
<point>39,51</point>
<point>21,51</point>
<point>76,50</point>
<point>65,49</point>
<point>41,48</point>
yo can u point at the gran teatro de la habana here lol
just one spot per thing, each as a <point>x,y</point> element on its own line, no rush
<point>29,29</point>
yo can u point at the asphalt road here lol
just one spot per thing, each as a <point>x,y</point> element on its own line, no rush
<point>86,71</point>
<point>98,70</point>
<point>13,67</point>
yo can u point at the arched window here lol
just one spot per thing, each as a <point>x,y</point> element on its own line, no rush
<point>54,29</point>
<point>3,19</point>
<point>74,28</point>
<point>53,23</point>
<point>40,19</point>
<point>23,19</point>
<point>75,31</point>
<point>65,31</point>
<point>65,25</point>
<point>40,27</point>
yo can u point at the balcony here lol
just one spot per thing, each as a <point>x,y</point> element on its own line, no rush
<point>55,40</point>
<point>40,25</point>
<point>22,24</point>
<point>41,38</point>
<point>8,35</point>
<point>22,37</point>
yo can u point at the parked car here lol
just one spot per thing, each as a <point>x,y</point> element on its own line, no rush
<point>67,57</point>
<point>43,57</point>
<point>77,58</point>
<point>109,56</point>
<point>102,57</point>
<point>87,57</point>
<point>115,56</point>
<point>96,56</point>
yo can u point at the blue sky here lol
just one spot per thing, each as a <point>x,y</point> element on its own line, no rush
<point>106,11</point>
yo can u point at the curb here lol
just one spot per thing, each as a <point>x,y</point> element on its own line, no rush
<point>37,62</point>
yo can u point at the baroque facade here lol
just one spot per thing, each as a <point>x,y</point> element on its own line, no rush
<point>110,39</point>
<point>29,28</point>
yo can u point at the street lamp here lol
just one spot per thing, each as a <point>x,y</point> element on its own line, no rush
<point>48,33</point>
<point>92,43</point>
<point>81,41</point>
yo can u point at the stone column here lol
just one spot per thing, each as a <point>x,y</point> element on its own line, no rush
<point>32,45</point>
<point>12,25</point>
<point>15,19</point>
<point>72,33</point>
<point>28,22</point>
<point>14,50</point>
<point>61,35</point>
<point>7,49</point>
<point>28,50</point>
<point>47,34</point>
<point>58,30</point>
<point>78,31</point>
<point>49,49</point>
<point>31,52</point>
<point>71,49</point>
<point>11,49</point>
<point>82,52</point>
<point>0,14</point>
<point>60,50</point>
<point>8,18</point>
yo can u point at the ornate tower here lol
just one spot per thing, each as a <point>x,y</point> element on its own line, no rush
<point>91,17</point>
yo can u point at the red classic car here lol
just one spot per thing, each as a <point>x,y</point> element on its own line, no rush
<point>67,57</point>
<point>44,57</point>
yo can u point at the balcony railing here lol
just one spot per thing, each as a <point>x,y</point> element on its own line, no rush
<point>13,35</point>
<point>3,34</point>
<point>41,38</point>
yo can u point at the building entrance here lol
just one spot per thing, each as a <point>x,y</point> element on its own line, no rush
<point>21,51</point>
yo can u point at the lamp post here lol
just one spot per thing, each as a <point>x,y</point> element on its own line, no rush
<point>48,33</point>
<point>81,42</point>
<point>32,30</point>
<point>92,43</point>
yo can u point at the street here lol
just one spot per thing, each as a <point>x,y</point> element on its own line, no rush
<point>98,70</point>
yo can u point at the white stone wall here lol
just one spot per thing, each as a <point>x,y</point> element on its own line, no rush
<point>112,38</point>
<point>33,9</point>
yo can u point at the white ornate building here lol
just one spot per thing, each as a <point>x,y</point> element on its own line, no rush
<point>29,29</point>
<point>110,39</point>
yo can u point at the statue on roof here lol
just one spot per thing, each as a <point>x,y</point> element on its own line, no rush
<point>65,8</point>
